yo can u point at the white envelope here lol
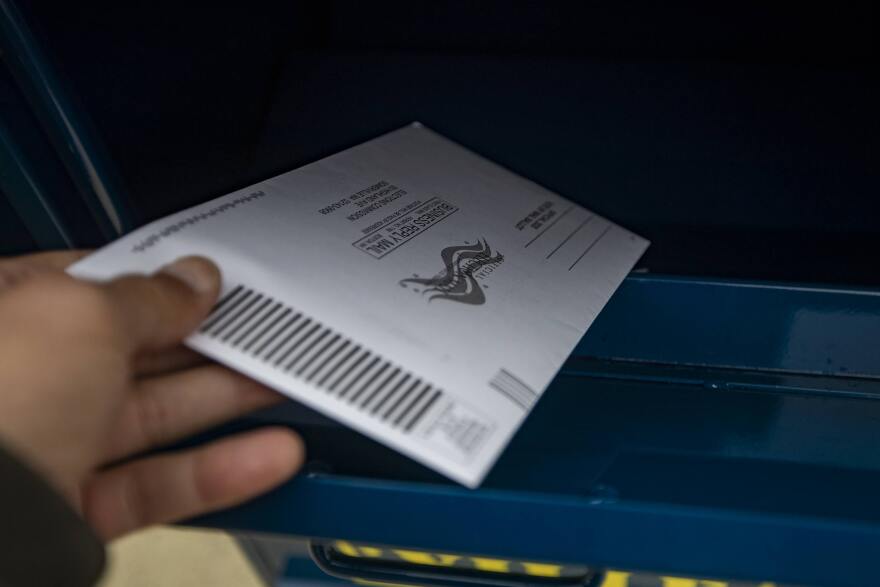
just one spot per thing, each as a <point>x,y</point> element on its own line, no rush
<point>405,287</point>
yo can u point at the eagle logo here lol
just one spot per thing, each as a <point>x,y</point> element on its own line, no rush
<point>459,279</point>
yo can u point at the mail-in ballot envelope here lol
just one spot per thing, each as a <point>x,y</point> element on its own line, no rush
<point>405,287</point>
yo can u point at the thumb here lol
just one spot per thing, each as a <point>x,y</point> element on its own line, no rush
<point>157,311</point>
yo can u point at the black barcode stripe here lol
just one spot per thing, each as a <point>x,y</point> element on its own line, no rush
<point>298,342</point>
<point>424,410</point>
<point>310,344</point>
<point>323,364</point>
<point>217,312</point>
<point>272,324</point>
<point>410,405</point>
<point>254,328</point>
<point>292,332</point>
<point>361,358</point>
<point>225,299</point>
<point>247,317</point>
<point>415,407</point>
<point>401,399</point>
<point>221,319</point>
<point>335,352</point>
<point>277,335</point>
<point>236,316</point>
<point>378,391</point>
<point>301,346</point>
<point>360,375</point>
<point>391,393</point>
<point>319,349</point>
<point>335,368</point>
<point>372,379</point>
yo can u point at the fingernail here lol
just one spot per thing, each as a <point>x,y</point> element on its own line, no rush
<point>196,272</point>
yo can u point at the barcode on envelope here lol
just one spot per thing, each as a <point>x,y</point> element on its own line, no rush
<point>298,345</point>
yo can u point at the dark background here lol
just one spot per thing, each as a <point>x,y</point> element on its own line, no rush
<point>740,137</point>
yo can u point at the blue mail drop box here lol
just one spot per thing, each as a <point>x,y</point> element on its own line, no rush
<point>719,423</point>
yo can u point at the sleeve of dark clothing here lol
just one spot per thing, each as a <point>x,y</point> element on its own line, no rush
<point>42,540</point>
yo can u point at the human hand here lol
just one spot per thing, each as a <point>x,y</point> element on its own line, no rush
<point>92,374</point>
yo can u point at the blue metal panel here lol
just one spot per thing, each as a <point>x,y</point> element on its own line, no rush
<point>748,325</point>
<point>656,461</point>
<point>660,538</point>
